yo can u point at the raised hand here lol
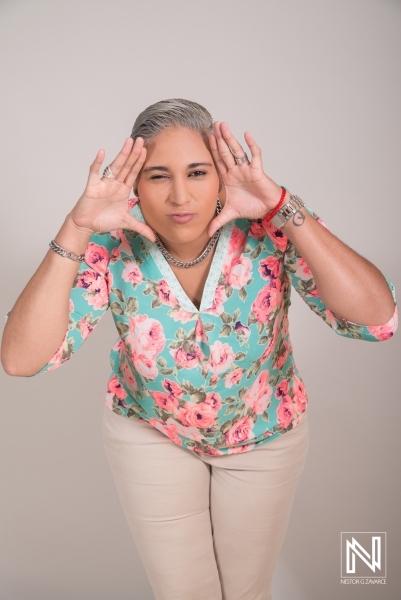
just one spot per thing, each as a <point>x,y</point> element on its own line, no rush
<point>103,206</point>
<point>250,193</point>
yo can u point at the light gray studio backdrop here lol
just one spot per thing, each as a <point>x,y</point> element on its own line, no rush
<point>317,83</point>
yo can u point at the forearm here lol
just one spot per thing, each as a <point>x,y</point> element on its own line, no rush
<point>348,284</point>
<point>39,319</point>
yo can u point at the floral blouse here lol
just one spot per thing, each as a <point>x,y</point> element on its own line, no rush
<point>218,380</point>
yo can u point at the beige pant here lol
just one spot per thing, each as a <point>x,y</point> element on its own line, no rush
<point>206,527</point>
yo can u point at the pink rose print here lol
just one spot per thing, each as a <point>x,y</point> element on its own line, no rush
<point>259,394</point>
<point>117,347</point>
<point>115,255</point>
<point>85,328</point>
<point>124,246</point>
<point>58,355</point>
<point>165,401</point>
<point>300,397</point>
<point>93,282</point>
<point>242,330</point>
<point>165,294</point>
<point>267,299</point>
<point>302,269</point>
<point>115,388</point>
<point>275,234</point>
<point>273,340</point>
<point>221,357</point>
<point>97,257</point>
<point>285,412</point>
<point>127,376</point>
<point>233,378</point>
<point>218,301</point>
<point>386,331</point>
<point>132,201</point>
<point>169,430</point>
<point>213,380</point>
<point>132,274</point>
<point>237,241</point>
<point>200,334</point>
<point>109,281</point>
<point>189,360</point>
<point>241,431</point>
<point>182,315</point>
<point>282,356</point>
<point>145,365</point>
<point>199,415</point>
<point>237,271</point>
<point>213,399</point>
<point>191,433</point>
<point>282,388</point>
<point>172,388</point>
<point>331,318</point>
<point>147,335</point>
<point>270,267</point>
<point>285,328</point>
<point>256,229</point>
<point>147,340</point>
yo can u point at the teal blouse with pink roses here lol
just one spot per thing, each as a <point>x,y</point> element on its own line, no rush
<point>218,380</point>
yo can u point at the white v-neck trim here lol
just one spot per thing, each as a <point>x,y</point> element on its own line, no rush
<point>214,272</point>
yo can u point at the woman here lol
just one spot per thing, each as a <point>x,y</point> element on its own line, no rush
<point>197,270</point>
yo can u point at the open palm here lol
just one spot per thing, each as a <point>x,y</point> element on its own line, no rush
<point>250,193</point>
<point>104,204</point>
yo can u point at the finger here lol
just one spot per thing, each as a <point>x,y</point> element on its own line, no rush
<point>223,148</point>
<point>131,159</point>
<point>141,228</point>
<point>236,148</point>
<point>221,165</point>
<point>121,157</point>
<point>226,215</point>
<point>137,166</point>
<point>94,169</point>
<point>256,152</point>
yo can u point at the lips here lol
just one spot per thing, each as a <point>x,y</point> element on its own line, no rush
<point>181,217</point>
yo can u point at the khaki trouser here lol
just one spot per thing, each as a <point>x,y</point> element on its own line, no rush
<point>206,527</point>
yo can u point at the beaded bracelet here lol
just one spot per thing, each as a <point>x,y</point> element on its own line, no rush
<point>271,214</point>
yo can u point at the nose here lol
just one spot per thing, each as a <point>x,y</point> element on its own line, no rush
<point>180,193</point>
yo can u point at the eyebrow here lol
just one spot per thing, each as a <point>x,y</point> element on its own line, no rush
<point>190,166</point>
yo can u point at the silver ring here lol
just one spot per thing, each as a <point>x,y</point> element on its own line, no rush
<point>242,159</point>
<point>108,173</point>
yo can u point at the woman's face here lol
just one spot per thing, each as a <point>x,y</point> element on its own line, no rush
<point>178,186</point>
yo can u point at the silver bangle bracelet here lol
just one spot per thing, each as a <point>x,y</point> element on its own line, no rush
<point>54,246</point>
<point>287,211</point>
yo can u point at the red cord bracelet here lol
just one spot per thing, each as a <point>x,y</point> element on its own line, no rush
<point>271,214</point>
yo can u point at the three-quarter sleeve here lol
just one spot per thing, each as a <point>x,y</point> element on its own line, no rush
<point>88,302</point>
<point>300,276</point>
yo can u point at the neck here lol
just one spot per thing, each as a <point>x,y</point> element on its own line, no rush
<point>186,251</point>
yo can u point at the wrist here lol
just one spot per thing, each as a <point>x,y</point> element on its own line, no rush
<point>73,238</point>
<point>280,202</point>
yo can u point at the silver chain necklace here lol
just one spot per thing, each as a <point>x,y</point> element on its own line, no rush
<point>201,257</point>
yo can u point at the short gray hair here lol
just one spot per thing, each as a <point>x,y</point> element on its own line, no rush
<point>175,112</point>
